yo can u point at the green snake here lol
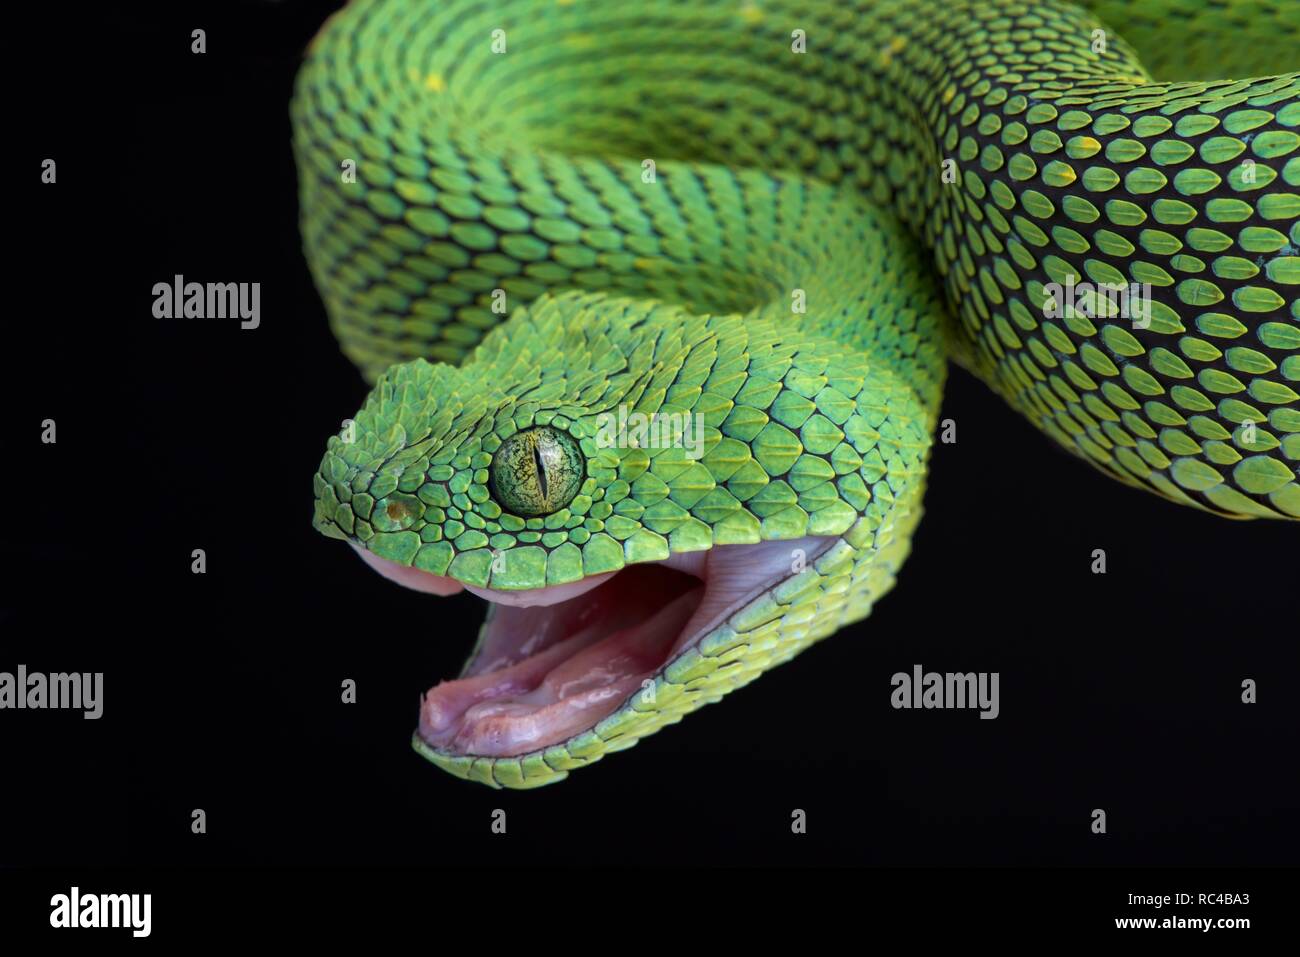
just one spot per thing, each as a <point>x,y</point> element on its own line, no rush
<point>657,298</point>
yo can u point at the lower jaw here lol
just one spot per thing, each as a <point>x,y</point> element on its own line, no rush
<point>543,674</point>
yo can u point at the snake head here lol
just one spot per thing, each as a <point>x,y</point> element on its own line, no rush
<point>653,502</point>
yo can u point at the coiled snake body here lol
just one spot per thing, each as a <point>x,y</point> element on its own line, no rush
<point>536,221</point>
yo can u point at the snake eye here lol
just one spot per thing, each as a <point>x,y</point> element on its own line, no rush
<point>537,471</point>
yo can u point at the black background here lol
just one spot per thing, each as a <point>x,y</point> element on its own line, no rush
<point>222,691</point>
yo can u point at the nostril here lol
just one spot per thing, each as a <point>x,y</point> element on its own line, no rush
<point>397,512</point>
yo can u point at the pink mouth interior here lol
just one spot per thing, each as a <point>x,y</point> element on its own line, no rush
<point>556,661</point>
<point>546,672</point>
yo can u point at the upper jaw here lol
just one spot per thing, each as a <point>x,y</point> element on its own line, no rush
<point>552,662</point>
<point>418,580</point>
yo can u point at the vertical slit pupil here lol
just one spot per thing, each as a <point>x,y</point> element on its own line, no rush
<point>541,469</point>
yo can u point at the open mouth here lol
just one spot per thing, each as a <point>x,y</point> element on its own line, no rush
<point>553,662</point>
